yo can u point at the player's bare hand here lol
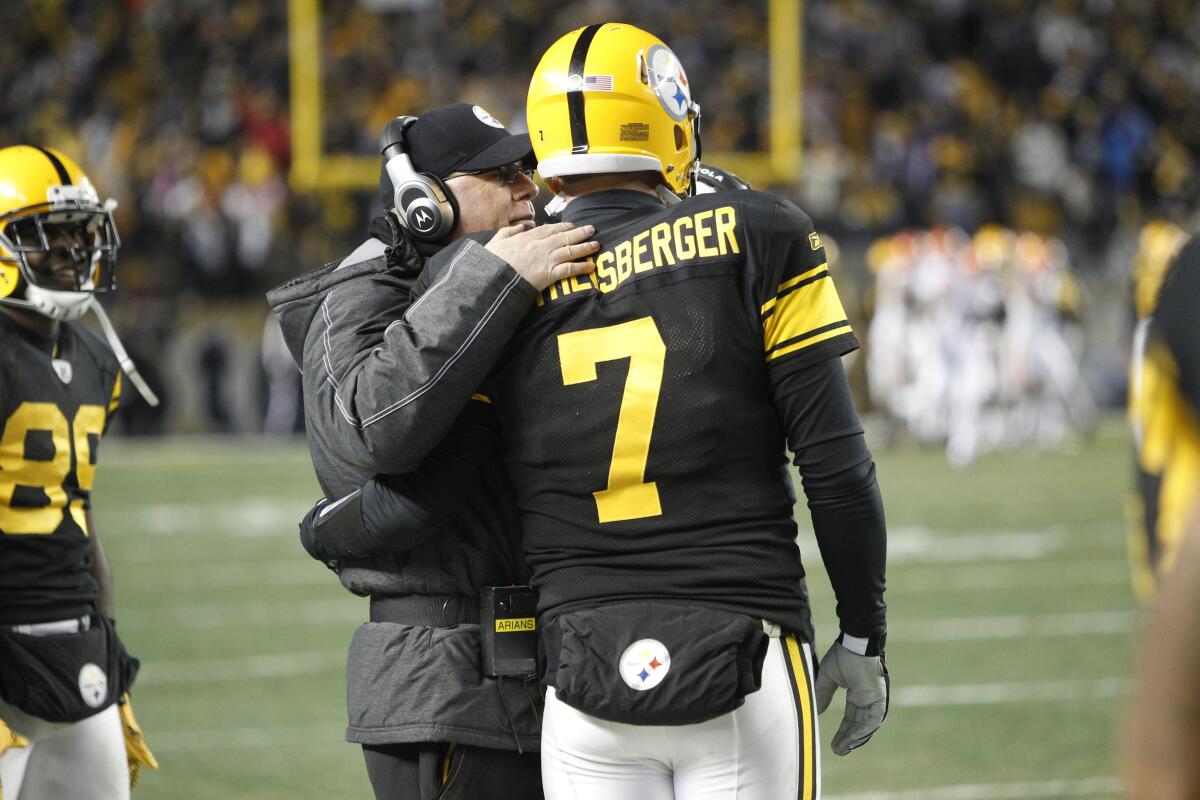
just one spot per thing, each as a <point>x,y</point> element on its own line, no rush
<point>547,253</point>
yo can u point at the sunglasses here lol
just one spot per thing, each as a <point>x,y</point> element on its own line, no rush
<point>507,174</point>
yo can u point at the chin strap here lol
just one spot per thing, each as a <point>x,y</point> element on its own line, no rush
<point>556,205</point>
<point>666,195</point>
<point>123,358</point>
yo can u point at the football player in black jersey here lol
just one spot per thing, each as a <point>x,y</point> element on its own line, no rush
<point>63,670</point>
<point>1164,732</point>
<point>646,408</point>
<point>1167,446</point>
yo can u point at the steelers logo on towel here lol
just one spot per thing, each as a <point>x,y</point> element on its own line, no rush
<point>644,664</point>
<point>93,685</point>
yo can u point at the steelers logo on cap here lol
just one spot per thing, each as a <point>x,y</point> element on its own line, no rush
<point>644,664</point>
<point>487,118</point>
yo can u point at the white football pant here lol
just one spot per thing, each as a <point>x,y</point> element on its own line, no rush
<point>82,760</point>
<point>768,749</point>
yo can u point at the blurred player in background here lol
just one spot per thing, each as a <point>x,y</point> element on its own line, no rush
<point>385,381</point>
<point>63,670</point>
<point>645,409</point>
<point>1042,343</point>
<point>1164,726</point>
<point>975,341</point>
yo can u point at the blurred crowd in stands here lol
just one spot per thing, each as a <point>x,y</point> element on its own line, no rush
<point>1070,118</point>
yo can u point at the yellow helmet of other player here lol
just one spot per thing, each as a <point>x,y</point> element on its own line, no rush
<point>58,243</point>
<point>613,98</point>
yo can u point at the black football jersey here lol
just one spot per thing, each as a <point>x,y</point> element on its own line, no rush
<point>1165,411</point>
<point>56,399</point>
<point>648,457</point>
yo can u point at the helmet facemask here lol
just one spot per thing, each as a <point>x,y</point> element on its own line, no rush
<point>64,252</point>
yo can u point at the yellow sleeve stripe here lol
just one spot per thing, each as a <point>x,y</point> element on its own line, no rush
<point>483,398</point>
<point>839,329</point>
<point>801,312</point>
<point>115,400</point>
<point>790,282</point>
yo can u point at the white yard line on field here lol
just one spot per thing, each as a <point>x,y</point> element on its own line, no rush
<point>1083,787</point>
<point>248,516</point>
<point>246,668</point>
<point>990,694</point>
<point>921,545</point>
<point>1016,626</point>
<point>176,452</point>
<point>321,735</point>
<point>178,577</point>
<point>914,578</point>
<point>238,616</point>
<point>914,545</point>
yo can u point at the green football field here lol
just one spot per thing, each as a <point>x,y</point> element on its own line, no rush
<point>1010,619</point>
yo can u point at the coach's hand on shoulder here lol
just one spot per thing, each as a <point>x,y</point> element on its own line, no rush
<point>865,679</point>
<point>547,253</point>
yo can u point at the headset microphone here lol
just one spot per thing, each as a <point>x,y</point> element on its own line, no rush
<point>423,203</point>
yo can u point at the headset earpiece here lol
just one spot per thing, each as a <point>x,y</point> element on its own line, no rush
<point>423,203</point>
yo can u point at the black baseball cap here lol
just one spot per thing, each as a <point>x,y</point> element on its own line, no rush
<point>458,138</point>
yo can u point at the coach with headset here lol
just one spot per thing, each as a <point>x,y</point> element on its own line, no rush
<point>386,388</point>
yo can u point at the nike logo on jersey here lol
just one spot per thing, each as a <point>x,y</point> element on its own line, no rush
<point>63,370</point>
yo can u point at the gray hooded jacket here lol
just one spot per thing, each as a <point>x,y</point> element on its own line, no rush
<point>384,380</point>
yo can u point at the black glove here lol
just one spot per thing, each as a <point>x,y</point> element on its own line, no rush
<point>330,531</point>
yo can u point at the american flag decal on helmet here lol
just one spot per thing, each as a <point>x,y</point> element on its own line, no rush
<point>598,83</point>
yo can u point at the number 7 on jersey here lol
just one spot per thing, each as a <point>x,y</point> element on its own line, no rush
<point>628,495</point>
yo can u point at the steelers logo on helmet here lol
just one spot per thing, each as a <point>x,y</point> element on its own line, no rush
<point>611,98</point>
<point>644,664</point>
<point>668,80</point>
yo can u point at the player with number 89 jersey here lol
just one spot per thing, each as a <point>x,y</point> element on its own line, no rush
<point>56,400</point>
<point>64,672</point>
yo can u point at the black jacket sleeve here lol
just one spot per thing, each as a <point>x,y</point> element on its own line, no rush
<point>394,513</point>
<point>838,475</point>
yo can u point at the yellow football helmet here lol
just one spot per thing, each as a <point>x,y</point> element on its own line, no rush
<point>58,243</point>
<point>614,98</point>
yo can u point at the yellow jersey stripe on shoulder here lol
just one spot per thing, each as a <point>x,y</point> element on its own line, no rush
<point>804,310</point>
<point>115,400</point>
<point>838,330</point>
<point>483,398</point>
<point>789,283</point>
